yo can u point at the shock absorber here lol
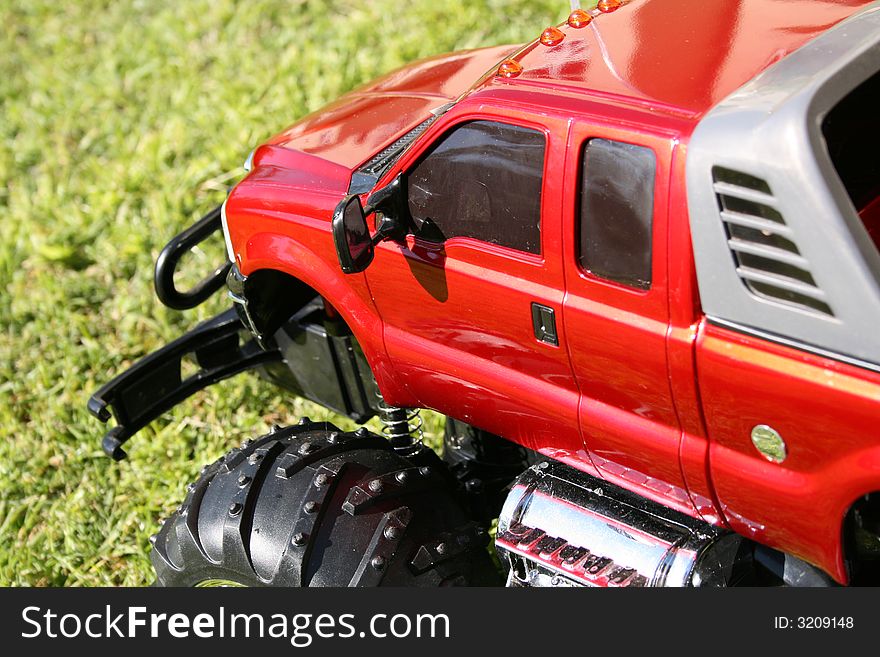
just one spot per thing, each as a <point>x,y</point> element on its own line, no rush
<point>401,426</point>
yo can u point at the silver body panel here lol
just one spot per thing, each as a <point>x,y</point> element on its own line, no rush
<point>771,129</point>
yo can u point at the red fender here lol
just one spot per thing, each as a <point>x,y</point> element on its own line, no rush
<point>279,232</point>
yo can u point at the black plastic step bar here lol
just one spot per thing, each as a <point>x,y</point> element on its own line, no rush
<point>155,383</point>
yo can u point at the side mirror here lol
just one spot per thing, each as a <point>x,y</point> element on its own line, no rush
<point>354,247</point>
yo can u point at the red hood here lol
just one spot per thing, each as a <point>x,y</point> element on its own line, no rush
<point>349,131</point>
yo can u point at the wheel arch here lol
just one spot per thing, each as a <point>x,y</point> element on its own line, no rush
<point>292,268</point>
<point>860,533</point>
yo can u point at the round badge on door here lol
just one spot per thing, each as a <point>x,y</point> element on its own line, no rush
<point>768,441</point>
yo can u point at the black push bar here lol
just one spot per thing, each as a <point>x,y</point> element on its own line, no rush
<point>168,259</point>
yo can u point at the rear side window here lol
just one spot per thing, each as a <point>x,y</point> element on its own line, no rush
<point>853,140</point>
<point>482,180</point>
<point>616,212</point>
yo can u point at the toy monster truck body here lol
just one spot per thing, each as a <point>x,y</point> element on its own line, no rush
<point>643,248</point>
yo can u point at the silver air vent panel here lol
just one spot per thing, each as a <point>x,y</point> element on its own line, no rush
<point>766,257</point>
<point>779,248</point>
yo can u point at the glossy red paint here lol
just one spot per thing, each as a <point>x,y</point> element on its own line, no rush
<point>685,316</point>
<point>274,225</point>
<point>833,454</point>
<point>641,390</point>
<point>359,124</point>
<point>481,361</point>
<point>680,57</point>
<point>617,336</point>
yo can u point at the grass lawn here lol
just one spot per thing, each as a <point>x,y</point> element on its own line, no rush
<point>120,122</point>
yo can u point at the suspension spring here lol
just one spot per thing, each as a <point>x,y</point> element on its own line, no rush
<point>401,426</point>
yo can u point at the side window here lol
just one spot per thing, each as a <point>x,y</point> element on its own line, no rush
<point>482,180</point>
<point>616,211</point>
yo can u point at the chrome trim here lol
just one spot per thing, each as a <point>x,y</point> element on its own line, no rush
<point>249,161</point>
<point>235,282</point>
<point>561,527</point>
<point>442,109</point>
<point>225,225</point>
<point>245,315</point>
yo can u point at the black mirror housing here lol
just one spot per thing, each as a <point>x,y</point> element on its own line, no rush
<point>389,200</point>
<point>354,246</point>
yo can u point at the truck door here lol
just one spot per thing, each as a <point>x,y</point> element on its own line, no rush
<point>616,311</point>
<point>472,305</point>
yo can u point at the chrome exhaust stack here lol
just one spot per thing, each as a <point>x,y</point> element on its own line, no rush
<point>561,527</point>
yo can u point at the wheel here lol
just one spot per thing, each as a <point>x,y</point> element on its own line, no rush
<point>311,505</point>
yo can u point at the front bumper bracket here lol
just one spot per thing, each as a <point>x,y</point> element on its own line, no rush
<point>153,385</point>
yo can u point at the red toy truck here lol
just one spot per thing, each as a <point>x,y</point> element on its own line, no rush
<point>634,262</point>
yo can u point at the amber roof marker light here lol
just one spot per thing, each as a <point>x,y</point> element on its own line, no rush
<point>509,68</point>
<point>607,6</point>
<point>579,18</point>
<point>552,36</point>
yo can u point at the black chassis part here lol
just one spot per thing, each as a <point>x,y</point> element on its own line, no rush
<point>343,381</point>
<point>156,383</point>
<point>486,464</point>
<point>312,357</point>
<point>305,357</point>
<point>316,359</point>
<point>322,361</point>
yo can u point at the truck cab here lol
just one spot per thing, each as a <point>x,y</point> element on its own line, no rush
<point>542,229</point>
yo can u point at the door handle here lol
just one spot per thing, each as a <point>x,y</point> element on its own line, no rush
<point>544,322</point>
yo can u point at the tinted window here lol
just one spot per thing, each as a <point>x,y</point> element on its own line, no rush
<point>853,140</point>
<point>483,180</point>
<point>616,211</point>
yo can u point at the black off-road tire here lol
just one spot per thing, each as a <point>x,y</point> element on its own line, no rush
<point>311,505</point>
